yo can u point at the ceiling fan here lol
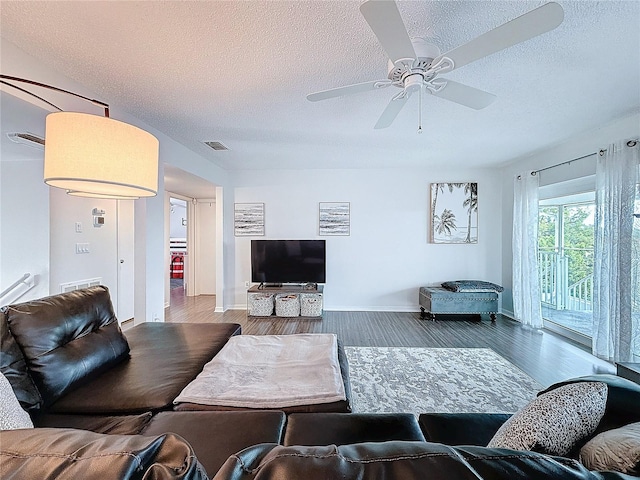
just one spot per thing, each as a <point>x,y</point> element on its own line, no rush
<point>416,63</point>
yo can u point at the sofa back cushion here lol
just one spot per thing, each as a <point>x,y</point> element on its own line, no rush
<point>66,338</point>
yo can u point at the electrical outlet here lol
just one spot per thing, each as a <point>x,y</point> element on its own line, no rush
<point>247,284</point>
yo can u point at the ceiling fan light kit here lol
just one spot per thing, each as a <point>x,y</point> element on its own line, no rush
<point>415,63</point>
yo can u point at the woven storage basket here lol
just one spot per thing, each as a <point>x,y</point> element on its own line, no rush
<point>311,304</point>
<point>287,305</point>
<point>260,304</point>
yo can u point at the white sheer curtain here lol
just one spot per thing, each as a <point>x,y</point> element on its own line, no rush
<point>613,289</point>
<point>526,282</point>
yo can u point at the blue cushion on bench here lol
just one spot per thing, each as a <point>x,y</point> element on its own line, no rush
<point>472,286</point>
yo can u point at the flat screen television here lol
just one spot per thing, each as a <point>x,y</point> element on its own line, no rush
<point>288,261</point>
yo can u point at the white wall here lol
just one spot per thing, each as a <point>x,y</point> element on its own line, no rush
<point>206,255</point>
<point>24,229</point>
<point>102,259</point>
<point>577,146</point>
<point>178,212</point>
<point>385,260</point>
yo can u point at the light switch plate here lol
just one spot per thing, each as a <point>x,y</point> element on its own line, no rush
<point>82,248</point>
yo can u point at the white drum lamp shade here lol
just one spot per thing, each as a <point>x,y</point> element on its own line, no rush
<point>97,156</point>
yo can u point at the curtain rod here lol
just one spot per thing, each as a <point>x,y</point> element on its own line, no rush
<point>630,143</point>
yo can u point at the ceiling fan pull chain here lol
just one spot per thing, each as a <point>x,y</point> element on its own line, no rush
<point>420,112</point>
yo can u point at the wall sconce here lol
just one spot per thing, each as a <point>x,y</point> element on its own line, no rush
<point>93,156</point>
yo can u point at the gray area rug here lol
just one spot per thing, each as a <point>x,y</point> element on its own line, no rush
<point>443,380</point>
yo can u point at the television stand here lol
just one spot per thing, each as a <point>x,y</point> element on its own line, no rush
<point>309,299</point>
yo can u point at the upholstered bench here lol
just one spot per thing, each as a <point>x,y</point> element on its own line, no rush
<point>438,300</point>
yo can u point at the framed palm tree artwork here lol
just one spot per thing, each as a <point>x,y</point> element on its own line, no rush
<point>454,213</point>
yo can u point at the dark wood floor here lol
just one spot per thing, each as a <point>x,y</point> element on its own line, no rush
<point>543,355</point>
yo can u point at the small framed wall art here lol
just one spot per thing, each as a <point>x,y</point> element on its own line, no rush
<point>454,213</point>
<point>334,218</point>
<point>248,219</point>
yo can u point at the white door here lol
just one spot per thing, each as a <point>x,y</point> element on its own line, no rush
<point>125,300</point>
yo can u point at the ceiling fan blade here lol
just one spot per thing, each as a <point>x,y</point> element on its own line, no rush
<point>391,112</point>
<point>463,94</point>
<point>531,24</point>
<point>384,19</point>
<point>348,90</point>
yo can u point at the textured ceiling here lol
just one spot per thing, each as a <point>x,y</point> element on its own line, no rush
<point>238,72</point>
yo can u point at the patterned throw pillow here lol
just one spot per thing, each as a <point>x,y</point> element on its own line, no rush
<point>555,422</point>
<point>617,450</point>
<point>12,416</point>
<point>472,286</point>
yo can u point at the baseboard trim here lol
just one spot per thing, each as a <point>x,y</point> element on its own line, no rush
<point>369,308</point>
<point>576,337</point>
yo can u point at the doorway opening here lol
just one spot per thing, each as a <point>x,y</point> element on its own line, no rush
<point>566,258</point>
<point>197,206</point>
<point>177,245</point>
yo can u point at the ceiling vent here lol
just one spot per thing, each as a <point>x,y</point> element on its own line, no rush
<point>26,138</point>
<point>217,145</point>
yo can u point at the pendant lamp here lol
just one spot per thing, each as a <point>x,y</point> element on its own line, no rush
<point>93,156</point>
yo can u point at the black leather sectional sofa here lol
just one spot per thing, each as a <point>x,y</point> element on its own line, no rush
<point>101,403</point>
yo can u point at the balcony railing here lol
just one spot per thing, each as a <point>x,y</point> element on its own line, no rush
<point>555,290</point>
<point>580,295</point>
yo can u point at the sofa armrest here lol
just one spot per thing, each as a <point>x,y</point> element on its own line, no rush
<point>56,453</point>
<point>461,428</point>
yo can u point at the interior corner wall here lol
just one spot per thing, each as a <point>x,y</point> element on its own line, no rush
<point>206,255</point>
<point>166,234</point>
<point>574,147</point>
<point>221,245</point>
<point>151,265</point>
<point>228,265</point>
<point>24,230</point>
<point>386,258</point>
